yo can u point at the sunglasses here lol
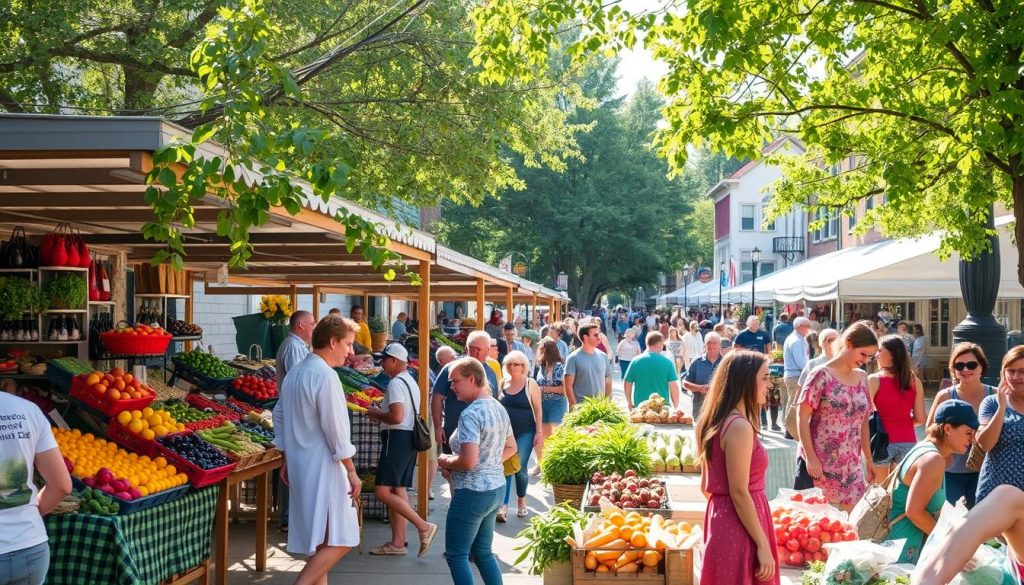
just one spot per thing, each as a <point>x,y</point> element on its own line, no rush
<point>961,366</point>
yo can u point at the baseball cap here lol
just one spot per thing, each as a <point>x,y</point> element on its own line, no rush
<point>956,412</point>
<point>395,350</point>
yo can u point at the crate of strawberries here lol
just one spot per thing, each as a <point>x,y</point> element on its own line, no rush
<point>255,390</point>
<point>804,522</point>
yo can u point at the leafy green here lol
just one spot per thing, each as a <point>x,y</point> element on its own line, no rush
<point>545,537</point>
<point>594,411</point>
<point>18,295</point>
<point>621,448</point>
<point>67,291</point>
<point>572,455</point>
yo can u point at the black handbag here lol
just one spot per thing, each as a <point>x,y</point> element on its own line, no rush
<point>17,252</point>
<point>879,439</point>
<point>420,433</point>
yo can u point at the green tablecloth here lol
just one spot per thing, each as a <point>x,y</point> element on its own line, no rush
<point>141,548</point>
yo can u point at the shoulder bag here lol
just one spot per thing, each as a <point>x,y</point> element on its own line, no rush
<point>420,432</point>
<point>879,438</point>
<point>976,456</point>
<point>871,514</point>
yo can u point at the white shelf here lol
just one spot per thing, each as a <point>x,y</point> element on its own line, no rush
<point>69,342</point>
<point>160,296</point>
<point>65,311</point>
<point>102,303</point>
<point>8,270</point>
<point>63,269</point>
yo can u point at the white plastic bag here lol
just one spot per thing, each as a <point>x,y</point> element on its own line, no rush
<point>858,562</point>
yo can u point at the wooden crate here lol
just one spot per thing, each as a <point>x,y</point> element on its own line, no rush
<point>677,569</point>
<point>558,574</point>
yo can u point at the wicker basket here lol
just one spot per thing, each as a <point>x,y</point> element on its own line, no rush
<point>254,459</point>
<point>568,493</point>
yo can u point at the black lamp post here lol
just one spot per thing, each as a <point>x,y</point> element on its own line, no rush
<point>755,259</point>
<point>686,283</point>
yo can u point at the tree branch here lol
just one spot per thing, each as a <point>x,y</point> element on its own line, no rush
<point>195,26</point>
<point>895,8</point>
<point>70,44</point>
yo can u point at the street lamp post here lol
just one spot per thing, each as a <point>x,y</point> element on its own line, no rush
<point>721,277</point>
<point>686,283</point>
<point>755,259</point>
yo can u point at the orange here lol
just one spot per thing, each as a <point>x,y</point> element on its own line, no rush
<point>124,417</point>
<point>147,412</point>
<point>136,426</point>
<point>100,389</point>
<point>119,384</point>
<point>117,372</point>
<point>92,379</point>
<point>128,378</point>
<point>114,394</point>
<point>147,434</point>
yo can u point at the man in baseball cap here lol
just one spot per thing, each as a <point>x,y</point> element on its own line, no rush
<point>394,350</point>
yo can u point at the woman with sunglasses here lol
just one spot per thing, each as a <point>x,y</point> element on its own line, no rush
<point>1001,435</point>
<point>833,421</point>
<point>520,396</point>
<point>967,365</point>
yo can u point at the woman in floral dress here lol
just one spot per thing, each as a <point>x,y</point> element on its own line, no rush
<point>834,406</point>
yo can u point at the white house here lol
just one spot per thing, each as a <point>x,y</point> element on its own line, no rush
<point>741,201</point>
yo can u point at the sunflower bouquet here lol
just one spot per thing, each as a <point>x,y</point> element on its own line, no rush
<point>276,308</point>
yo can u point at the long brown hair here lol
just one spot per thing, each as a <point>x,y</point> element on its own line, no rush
<point>900,368</point>
<point>733,385</point>
<point>548,354</point>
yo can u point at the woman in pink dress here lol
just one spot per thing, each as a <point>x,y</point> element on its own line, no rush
<point>833,421</point>
<point>739,541</point>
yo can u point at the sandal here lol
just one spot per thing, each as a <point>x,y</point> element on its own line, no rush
<point>427,537</point>
<point>502,513</point>
<point>387,549</point>
<point>522,512</point>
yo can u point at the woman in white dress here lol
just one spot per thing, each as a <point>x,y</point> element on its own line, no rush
<point>311,429</point>
<point>693,344</point>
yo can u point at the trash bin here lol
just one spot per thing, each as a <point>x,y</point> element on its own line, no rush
<point>253,330</point>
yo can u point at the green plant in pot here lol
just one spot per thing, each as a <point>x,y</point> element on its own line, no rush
<point>67,291</point>
<point>572,455</point>
<point>377,324</point>
<point>593,411</point>
<point>18,295</point>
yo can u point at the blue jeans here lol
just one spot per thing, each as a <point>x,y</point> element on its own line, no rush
<point>524,444</point>
<point>27,566</point>
<point>961,485</point>
<point>469,529</point>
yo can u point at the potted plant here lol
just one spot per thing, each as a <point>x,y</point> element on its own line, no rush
<point>277,309</point>
<point>18,296</point>
<point>593,411</point>
<point>572,455</point>
<point>67,291</point>
<point>378,332</point>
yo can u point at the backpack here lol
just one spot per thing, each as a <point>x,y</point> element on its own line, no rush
<point>871,514</point>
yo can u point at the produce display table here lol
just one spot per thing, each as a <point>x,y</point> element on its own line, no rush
<point>781,463</point>
<point>147,547</point>
<point>261,473</point>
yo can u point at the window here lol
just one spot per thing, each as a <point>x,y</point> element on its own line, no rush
<point>770,226</point>
<point>765,268</point>
<point>746,270</point>
<point>869,203</point>
<point>938,322</point>
<point>747,219</point>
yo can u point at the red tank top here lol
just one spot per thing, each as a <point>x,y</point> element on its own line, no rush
<point>896,409</point>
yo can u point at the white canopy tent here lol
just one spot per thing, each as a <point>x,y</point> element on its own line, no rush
<point>904,268</point>
<point>695,293</point>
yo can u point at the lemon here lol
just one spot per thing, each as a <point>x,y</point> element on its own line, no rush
<point>124,417</point>
<point>148,434</point>
<point>136,426</point>
<point>147,412</point>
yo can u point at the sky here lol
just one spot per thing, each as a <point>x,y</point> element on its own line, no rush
<point>636,64</point>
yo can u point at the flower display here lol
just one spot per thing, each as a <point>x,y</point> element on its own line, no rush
<point>276,308</point>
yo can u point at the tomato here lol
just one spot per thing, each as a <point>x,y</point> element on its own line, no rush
<point>796,559</point>
<point>850,536</point>
<point>785,520</point>
<point>825,536</point>
<point>797,497</point>
<point>824,523</point>
<point>835,526</point>
<point>781,535</point>
<point>804,521</point>
<point>812,545</point>
<point>818,556</point>
<point>814,530</point>
<point>793,545</point>
<point>797,532</point>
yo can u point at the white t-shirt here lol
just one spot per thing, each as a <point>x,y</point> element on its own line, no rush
<point>24,432</point>
<point>401,389</point>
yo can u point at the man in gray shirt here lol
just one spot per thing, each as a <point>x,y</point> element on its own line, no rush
<point>586,370</point>
<point>698,376</point>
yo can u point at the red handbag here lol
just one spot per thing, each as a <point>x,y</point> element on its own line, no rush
<point>72,252</point>
<point>84,258</point>
<point>104,282</point>
<point>53,250</point>
<point>94,290</point>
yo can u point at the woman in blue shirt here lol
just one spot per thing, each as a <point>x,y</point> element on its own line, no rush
<point>1001,435</point>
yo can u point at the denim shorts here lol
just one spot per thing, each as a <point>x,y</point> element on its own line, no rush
<point>553,407</point>
<point>897,451</point>
<point>27,566</point>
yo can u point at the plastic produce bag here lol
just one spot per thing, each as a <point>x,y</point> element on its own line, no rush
<point>784,500</point>
<point>988,566</point>
<point>860,561</point>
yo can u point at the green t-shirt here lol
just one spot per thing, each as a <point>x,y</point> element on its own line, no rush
<point>650,374</point>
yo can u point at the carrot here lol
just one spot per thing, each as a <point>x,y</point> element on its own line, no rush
<point>651,558</point>
<point>626,569</point>
<point>611,551</point>
<point>590,561</point>
<point>630,556</point>
<point>626,532</point>
<point>638,540</point>
<point>603,569</point>
<point>602,538</point>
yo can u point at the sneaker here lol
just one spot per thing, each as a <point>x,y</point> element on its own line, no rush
<point>777,428</point>
<point>431,494</point>
<point>502,514</point>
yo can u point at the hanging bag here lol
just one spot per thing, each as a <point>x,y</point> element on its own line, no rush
<point>104,281</point>
<point>84,258</point>
<point>420,432</point>
<point>54,251</point>
<point>17,252</point>
<point>94,289</point>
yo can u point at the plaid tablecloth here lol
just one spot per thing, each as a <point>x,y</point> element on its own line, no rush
<point>142,548</point>
<point>781,463</point>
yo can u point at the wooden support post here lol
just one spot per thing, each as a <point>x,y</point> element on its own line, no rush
<point>389,317</point>
<point>189,305</point>
<point>316,303</point>
<point>551,311</point>
<point>509,317</point>
<point>536,320</point>
<point>422,485</point>
<point>294,295</point>
<point>480,304</point>
<point>366,307</point>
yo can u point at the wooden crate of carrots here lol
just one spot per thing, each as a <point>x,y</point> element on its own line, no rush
<point>647,549</point>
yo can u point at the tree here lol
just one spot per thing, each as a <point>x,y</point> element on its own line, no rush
<point>612,220</point>
<point>923,98</point>
<point>370,100</point>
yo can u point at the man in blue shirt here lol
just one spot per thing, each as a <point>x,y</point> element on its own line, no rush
<point>753,337</point>
<point>781,331</point>
<point>398,330</point>
<point>445,408</point>
<point>698,375</point>
<point>794,358</point>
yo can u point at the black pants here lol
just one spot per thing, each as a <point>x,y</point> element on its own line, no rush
<point>803,480</point>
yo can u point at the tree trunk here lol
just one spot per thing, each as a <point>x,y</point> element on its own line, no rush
<point>1018,226</point>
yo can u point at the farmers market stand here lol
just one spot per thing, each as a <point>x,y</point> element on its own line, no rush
<point>90,172</point>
